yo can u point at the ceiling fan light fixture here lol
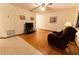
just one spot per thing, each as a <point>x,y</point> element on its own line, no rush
<point>43,8</point>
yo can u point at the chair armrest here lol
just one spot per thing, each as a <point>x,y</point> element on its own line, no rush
<point>57,33</point>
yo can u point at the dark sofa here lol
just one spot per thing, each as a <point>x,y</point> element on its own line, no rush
<point>62,38</point>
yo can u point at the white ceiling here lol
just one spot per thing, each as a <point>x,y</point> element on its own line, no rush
<point>55,6</point>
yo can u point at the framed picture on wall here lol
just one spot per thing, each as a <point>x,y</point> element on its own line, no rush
<point>22,17</point>
<point>53,19</point>
<point>32,18</point>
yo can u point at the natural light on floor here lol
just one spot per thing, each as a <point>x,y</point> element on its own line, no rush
<point>16,46</point>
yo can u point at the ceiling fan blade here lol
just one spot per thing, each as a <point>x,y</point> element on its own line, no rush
<point>35,8</point>
<point>49,4</point>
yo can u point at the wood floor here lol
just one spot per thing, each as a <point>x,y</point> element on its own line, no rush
<point>38,40</point>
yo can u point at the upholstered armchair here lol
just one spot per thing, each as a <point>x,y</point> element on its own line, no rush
<point>62,38</point>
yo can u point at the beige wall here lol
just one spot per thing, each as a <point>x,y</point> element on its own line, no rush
<point>9,19</point>
<point>43,21</point>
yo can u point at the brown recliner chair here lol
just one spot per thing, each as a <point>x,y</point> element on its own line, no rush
<point>61,39</point>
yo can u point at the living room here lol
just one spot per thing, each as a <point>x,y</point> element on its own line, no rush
<point>13,18</point>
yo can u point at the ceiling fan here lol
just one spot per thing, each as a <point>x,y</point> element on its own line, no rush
<point>42,6</point>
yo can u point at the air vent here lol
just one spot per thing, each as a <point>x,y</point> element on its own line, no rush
<point>10,32</point>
